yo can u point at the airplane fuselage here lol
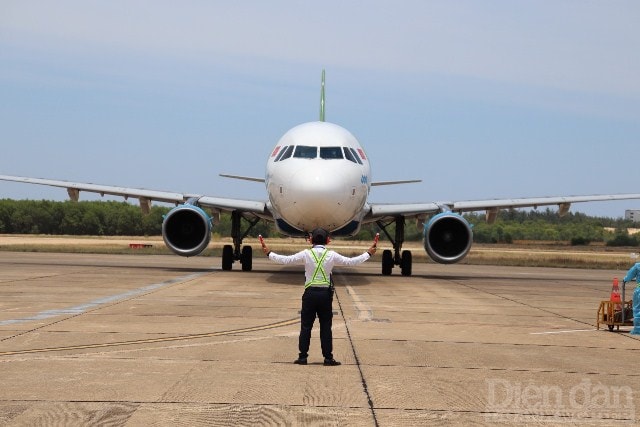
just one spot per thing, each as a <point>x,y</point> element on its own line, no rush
<point>318,175</point>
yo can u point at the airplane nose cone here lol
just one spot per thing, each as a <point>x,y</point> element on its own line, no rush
<point>321,199</point>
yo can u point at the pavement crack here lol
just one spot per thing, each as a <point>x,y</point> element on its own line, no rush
<point>365,387</point>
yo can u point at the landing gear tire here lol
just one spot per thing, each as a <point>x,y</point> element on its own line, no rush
<point>405,267</point>
<point>227,257</point>
<point>387,262</point>
<point>247,258</point>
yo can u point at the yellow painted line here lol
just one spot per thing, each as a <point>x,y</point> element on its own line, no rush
<point>154,340</point>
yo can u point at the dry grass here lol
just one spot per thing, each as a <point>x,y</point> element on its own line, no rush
<point>560,257</point>
<point>529,254</point>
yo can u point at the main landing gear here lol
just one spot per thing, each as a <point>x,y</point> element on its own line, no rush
<point>398,256</point>
<point>234,253</point>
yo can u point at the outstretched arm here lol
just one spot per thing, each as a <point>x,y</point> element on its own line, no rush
<point>343,260</point>
<point>297,258</point>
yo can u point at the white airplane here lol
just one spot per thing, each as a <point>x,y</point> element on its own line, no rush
<point>318,175</point>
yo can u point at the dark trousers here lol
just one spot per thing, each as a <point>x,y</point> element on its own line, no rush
<point>316,301</point>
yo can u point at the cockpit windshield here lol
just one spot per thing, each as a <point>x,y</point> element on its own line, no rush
<point>305,152</point>
<point>331,153</point>
<point>309,152</point>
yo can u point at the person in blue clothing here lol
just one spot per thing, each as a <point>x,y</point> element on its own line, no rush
<point>634,273</point>
<point>318,290</point>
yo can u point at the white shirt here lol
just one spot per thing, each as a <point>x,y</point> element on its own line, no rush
<point>305,257</point>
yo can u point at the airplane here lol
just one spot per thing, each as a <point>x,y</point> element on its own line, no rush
<point>318,175</point>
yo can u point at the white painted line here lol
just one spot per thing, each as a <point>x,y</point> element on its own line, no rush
<point>79,309</point>
<point>561,332</point>
<point>365,313</point>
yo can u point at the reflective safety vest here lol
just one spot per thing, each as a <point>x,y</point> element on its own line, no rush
<point>320,278</point>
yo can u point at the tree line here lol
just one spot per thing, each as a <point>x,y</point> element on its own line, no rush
<point>111,218</point>
<point>95,218</point>
<point>547,225</point>
<point>82,218</point>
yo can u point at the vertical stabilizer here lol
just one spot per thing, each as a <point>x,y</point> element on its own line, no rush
<point>322,98</point>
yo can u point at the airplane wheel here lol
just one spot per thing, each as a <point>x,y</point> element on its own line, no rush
<point>227,257</point>
<point>406,263</point>
<point>247,258</point>
<point>387,262</point>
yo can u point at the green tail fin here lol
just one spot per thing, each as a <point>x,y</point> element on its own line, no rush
<point>322,98</point>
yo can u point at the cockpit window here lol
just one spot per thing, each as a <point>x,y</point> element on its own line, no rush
<point>355,155</point>
<point>281,153</point>
<point>349,155</point>
<point>305,152</point>
<point>286,153</point>
<point>330,153</point>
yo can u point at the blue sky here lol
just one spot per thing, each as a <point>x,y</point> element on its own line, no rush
<point>479,99</point>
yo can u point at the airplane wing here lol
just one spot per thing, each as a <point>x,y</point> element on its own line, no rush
<point>491,206</point>
<point>146,196</point>
<point>563,202</point>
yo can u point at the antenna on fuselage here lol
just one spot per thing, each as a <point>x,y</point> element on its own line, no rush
<point>322,98</point>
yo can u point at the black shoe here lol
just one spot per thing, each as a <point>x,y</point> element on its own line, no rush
<point>331,362</point>
<point>300,361</point>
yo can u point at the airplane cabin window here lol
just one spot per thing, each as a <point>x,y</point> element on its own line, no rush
<point>305,152</point>
<point>281,153</point>
<point>287,153</point>
<point>330,153</point>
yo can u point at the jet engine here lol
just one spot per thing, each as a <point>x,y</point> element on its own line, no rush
<point>447,238</point>
<point>186,230</point>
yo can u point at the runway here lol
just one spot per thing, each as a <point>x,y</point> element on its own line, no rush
<point>162,340</point>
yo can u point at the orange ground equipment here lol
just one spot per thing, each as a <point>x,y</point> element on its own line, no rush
<point>615,293</point>
<point>611,312</point>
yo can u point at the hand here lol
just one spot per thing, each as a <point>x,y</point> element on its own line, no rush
<point>372,248</point>
<point>265,248</point>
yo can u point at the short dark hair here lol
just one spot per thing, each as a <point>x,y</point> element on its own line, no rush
<point>319,236</point>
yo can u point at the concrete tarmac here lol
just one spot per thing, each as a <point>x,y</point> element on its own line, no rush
<point>162,340</point>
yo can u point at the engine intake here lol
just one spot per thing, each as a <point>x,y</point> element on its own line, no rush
<point>447,238</point>
<point>186,230</point>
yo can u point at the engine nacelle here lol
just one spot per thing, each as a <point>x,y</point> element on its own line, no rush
<point>447,238</point>
<point>186,230</point>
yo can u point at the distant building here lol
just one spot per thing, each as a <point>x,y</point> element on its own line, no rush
<point>632,214</point>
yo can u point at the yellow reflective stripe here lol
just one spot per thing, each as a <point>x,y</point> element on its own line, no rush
<point>319,269</point>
